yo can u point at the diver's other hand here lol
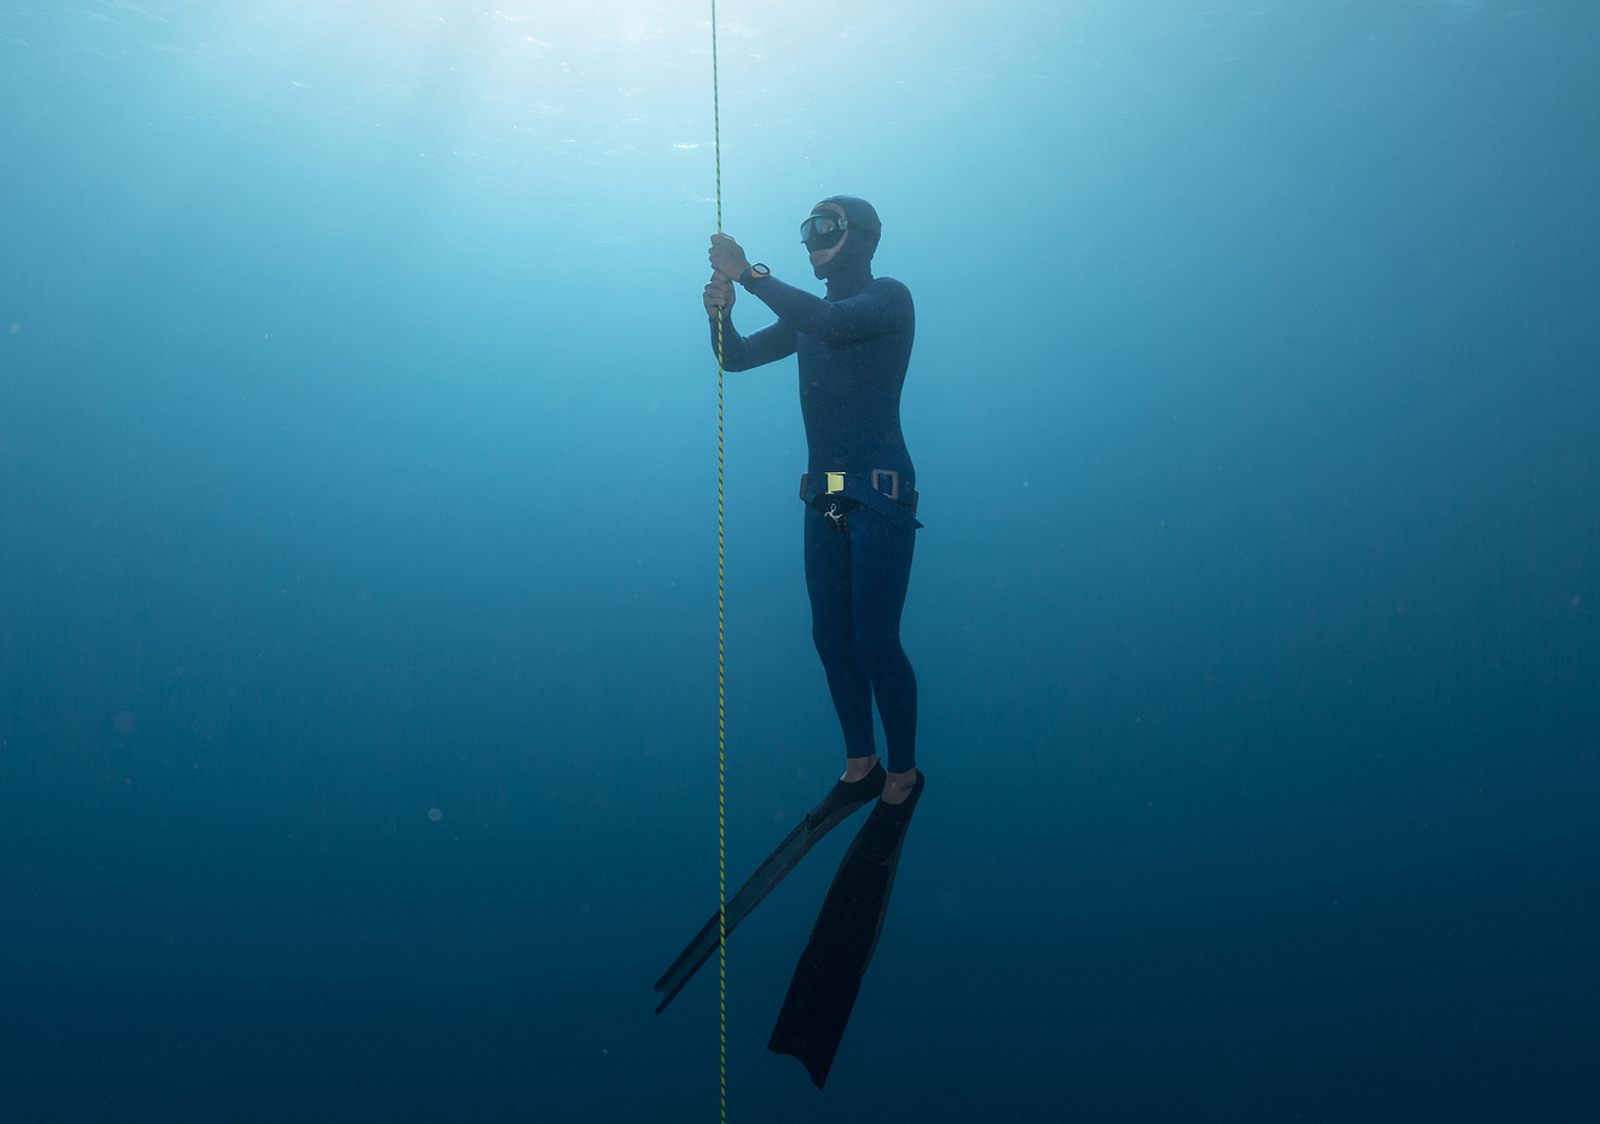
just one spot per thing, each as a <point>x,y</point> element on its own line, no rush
<point>726,256</point>
<point>719,296</point>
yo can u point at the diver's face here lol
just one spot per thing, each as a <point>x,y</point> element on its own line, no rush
<point>821,257</point>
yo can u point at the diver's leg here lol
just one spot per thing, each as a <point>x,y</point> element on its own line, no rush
<point>828,584</point>
<point>880,573</point>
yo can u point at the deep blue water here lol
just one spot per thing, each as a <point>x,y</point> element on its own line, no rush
<point>357,558</point>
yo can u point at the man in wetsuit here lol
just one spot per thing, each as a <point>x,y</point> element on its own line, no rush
<point>853,347</point>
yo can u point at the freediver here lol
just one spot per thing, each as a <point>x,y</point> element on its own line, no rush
<point>853,347</point>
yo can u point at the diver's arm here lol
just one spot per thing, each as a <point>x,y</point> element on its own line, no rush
<point>740,353</point>
<point>882,307</point>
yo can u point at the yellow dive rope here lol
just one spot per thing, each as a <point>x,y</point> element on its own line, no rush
<point>722,691</point>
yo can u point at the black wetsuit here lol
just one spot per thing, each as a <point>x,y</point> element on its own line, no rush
<point>853,349</point>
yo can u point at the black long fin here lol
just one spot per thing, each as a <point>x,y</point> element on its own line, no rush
<point>837,806</point>
<point>828,977</point>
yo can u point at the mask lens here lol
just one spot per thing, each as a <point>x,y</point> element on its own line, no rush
<point>821,232</point>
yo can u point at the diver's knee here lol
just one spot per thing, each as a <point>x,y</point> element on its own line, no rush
<point>880,655</point>
<point>832,645</point>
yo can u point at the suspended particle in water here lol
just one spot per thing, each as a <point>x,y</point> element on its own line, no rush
<point>435,815</point>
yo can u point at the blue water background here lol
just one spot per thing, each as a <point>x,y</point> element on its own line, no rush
<point>357,558</point>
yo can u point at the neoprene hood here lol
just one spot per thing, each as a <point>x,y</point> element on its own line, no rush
<point>864,231</point>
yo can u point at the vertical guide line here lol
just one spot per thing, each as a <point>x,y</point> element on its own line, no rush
<point>722,692</point>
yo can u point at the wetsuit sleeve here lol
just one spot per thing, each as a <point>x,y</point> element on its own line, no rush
<point>882,307</point>
<point>740,353</point>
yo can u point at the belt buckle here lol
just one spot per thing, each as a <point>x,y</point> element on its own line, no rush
<point>835,483</point>
<point>894,482</point>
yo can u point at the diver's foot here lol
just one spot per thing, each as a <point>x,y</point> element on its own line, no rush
<point>857,767</point>
<point>899,786</point>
